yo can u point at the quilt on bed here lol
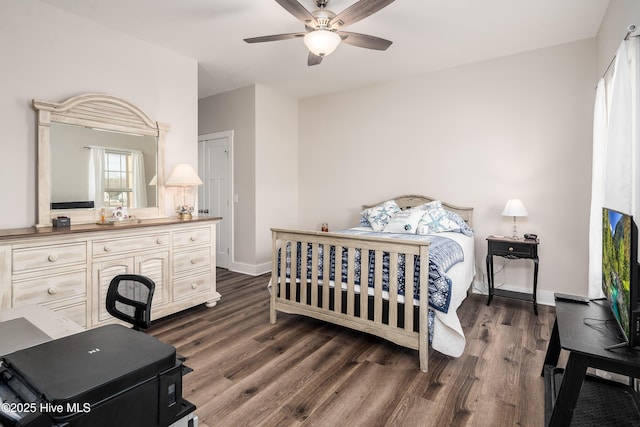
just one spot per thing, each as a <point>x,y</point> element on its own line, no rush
<point>443,254</point>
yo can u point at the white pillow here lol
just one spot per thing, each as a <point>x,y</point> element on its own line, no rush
<point>435,219</point>
<point>379,216</point>
<point>404,222</point>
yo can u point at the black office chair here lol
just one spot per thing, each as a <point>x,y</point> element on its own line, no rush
<point>129,299</point>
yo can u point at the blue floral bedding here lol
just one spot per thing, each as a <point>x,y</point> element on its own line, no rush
<point>443,254</point>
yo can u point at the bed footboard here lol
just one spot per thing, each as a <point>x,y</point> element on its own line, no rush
<point>309,291</point>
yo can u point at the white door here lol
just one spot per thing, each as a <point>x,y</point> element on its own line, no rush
<point>215,162</point>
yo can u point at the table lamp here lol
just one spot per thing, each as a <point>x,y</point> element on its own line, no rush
<point>184,176</point>
<point>514,208</point>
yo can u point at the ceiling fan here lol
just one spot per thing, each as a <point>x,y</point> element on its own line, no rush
<point>323,27</point>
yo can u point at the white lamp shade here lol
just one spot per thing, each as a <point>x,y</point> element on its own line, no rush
<point>183,175</point>
<point>322,42</point>
<point>514,207</point>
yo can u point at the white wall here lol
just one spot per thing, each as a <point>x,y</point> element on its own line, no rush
<point>235,110</point>
<point>276,168</point>
<point>265,166</point>
<point>51,55</point>
<point>476,135</point>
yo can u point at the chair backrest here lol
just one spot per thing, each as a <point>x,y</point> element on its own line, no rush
<point>129,299</point>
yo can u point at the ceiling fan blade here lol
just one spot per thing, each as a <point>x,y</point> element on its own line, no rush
<point>274,37</point>
<point>313,59</point>
<point>299,11</point>
<point>364,40</point>
<point>358,11</point>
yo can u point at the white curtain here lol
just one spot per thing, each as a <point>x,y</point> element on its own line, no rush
<point>615,181</point>
<point>139,197</point>
<point>618,184</point>
<point>96,172</point>
<point>597,190</point>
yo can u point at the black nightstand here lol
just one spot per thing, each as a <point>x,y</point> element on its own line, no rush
<point>510,248</point>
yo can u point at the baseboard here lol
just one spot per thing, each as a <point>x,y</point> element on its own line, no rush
<point>544,297</point>
<point>250,269</point>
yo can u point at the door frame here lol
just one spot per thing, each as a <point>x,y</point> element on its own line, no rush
<point>228,224</point>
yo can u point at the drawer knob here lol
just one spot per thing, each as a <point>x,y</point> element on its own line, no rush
<point>510,248</point>
<point>196,260</point>
<point>52,290</point>
<point>159,241</point>
<point>107,248</point>
<point>53,258</point>
<point>194,238</point>
<point>194,286</point>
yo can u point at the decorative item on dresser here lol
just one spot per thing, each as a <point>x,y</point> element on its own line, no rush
<point>184,176</point>
<point>69,270</point>
<point>412,232</point>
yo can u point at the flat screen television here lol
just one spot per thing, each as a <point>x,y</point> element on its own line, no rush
<point>620,272</point>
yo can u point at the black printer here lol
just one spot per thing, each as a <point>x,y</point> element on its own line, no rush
<point>108,376</point>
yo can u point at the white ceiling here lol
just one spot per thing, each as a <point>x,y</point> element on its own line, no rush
<point>427,35</point>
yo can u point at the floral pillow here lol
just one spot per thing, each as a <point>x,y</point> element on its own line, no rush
<point>379,216</point>
<point>404,222</point>
<point>464,228</point>
<point>435,219</point>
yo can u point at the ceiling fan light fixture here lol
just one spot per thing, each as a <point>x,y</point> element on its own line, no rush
<point>322,42</point>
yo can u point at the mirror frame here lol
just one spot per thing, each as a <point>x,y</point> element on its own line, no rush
<point>99,111</point>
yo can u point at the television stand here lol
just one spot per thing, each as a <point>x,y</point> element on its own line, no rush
<point>570,392</point>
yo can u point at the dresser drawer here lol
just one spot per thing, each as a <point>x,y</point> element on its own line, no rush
<point>48,289</point>
<point>50,256</point>
<point>191,260</point>
<point>184,288</point>
<point>195,236</point>
<point>130,244</point>
<point>515,249</point>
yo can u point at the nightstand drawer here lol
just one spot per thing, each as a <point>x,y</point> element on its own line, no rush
<point>516,249</point>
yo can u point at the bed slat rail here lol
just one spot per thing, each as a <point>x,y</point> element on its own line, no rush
<point>345,305</point>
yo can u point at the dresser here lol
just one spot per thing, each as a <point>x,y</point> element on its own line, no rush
<point>68,270</point>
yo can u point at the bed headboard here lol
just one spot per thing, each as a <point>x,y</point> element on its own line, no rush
<point>409,201</point>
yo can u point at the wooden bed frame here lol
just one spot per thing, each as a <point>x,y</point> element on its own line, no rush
<point>355,310</point>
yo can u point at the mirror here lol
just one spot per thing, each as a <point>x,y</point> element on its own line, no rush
<point>124,177</point>
<point>104,137</point>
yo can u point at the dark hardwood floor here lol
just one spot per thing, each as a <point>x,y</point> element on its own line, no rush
<point>301,371</point>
